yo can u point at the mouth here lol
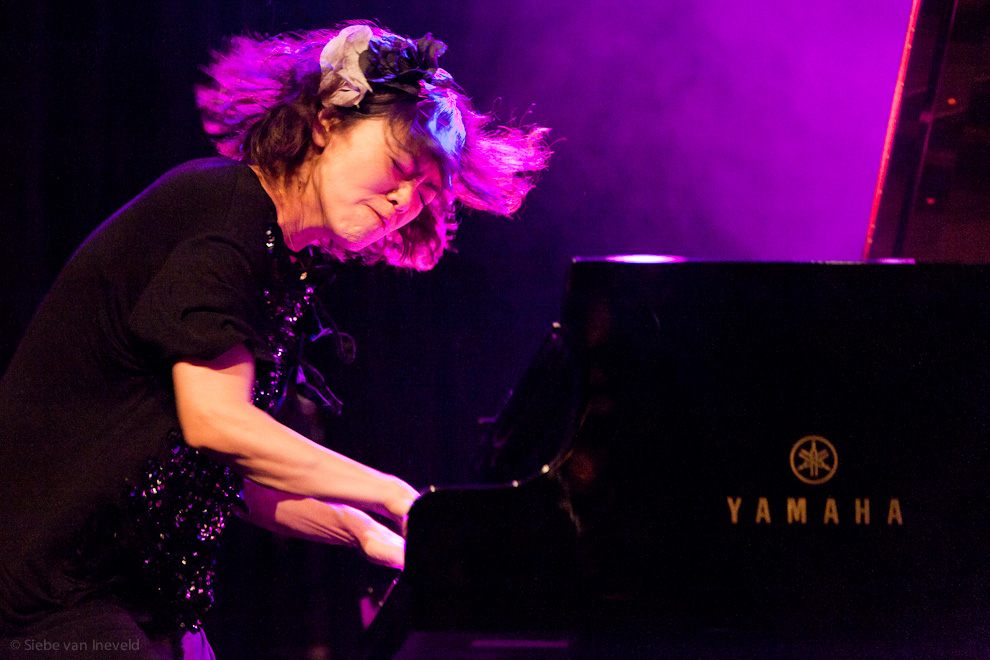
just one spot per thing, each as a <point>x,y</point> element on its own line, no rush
<point>382,219</point>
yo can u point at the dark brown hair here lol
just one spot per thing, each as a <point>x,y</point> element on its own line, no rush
<point>265,98</point>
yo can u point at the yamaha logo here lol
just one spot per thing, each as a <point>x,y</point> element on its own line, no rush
<point>814,460</point>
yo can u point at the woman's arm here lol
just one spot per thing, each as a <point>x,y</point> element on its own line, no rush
<point>213,399</point>
<point>339,524</point>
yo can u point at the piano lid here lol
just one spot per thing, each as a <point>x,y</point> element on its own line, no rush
<point>932,201</point>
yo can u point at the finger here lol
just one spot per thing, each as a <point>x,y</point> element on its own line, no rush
<point>384,547</point>
<point>402,500</point>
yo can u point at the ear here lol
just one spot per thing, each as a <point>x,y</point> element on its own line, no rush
<point>322,128</point>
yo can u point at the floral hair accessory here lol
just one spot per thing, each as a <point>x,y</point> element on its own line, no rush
<point>341,59</point>
<point>360,60</point>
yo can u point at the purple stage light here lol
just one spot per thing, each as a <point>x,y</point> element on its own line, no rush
<point>637,259</point>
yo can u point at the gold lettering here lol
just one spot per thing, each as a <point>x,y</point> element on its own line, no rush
<point>894,513</point>
<point>734,505</point>
<point>863,511</point>
<point>797,510</point>
<point>831,511</point>
<point>763,511</point>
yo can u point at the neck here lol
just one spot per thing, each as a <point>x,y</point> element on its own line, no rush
<point>288,206</point>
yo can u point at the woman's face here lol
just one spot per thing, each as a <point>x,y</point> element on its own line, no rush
<point>362,186</point>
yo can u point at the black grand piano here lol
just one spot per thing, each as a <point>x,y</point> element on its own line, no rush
<point>743,460</point>
<point>724,460</point>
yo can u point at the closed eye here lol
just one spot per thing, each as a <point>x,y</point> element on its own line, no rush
<point>398,169</point>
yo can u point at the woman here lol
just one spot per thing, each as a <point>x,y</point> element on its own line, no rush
<point>136,415</point>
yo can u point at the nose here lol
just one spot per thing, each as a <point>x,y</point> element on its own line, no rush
<point>401,198</point>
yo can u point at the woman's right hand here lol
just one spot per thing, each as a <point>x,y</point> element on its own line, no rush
<point>382,546</point>
<point>213,401</point>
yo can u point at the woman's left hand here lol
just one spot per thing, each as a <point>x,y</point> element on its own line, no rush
<point>399,501</point>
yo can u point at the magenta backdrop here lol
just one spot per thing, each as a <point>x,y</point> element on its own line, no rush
<point>707,128</point>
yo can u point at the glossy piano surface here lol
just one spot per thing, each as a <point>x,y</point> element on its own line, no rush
<point>727,458</point>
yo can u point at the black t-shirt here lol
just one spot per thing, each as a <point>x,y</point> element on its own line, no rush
<point>178,273</point>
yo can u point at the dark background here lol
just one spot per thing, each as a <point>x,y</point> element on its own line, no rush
<point>715,129</point>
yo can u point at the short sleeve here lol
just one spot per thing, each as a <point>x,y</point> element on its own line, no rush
<point>206,299</point>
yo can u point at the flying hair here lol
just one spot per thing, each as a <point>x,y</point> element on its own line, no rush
<point>266,94</point>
